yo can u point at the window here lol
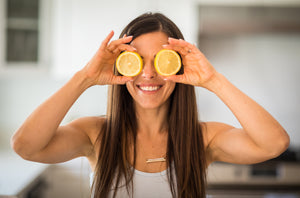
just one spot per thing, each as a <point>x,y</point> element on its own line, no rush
<point>22,30</point>
<point>25,36</point>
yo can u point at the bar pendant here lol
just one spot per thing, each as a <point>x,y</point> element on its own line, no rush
<point>162,159</point>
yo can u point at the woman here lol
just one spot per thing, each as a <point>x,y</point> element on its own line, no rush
<point>150,117</point>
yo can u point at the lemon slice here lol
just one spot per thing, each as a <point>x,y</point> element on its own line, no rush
<point>167,62</point>
<point>129,63</point>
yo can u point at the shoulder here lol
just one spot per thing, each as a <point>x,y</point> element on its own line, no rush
<point>91,126</point>
<point>210,131</point>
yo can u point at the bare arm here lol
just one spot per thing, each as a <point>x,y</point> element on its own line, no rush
<point>41,138</point>
<point>42,126</point>
<point>261,136</point>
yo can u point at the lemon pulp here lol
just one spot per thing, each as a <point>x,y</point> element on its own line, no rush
<point>129,63</point>
<point>167,62</point>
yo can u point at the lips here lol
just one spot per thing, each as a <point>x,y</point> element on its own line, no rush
<point>149,88</point>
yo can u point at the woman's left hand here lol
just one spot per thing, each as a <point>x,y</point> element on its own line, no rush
<point>197,69</point>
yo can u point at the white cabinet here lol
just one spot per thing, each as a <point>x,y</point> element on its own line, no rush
<point>25,35</point>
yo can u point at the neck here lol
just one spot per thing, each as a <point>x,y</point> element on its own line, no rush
<point>152,122</point>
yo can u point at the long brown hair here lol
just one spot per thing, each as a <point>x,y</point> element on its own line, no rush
<point>185,146</point>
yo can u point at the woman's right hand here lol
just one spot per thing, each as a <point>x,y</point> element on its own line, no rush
<point>99,69</point>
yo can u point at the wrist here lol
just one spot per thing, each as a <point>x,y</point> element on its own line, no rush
<point>215,83</point>
<point>83,80</point>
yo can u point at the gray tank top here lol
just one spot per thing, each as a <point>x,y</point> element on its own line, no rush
<point>146,185</point>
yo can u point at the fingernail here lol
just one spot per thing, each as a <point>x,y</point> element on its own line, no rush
<point>164,45</point>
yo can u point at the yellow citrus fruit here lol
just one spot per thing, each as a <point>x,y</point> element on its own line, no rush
<point>167,62</point>
<point>129,63</point>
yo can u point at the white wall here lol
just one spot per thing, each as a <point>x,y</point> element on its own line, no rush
<point>264,66</point>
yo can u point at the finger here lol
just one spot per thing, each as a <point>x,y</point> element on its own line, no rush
<point>182,46</point>
<point>114,44</point>
<point>106,40</point>
<point>121,79</point>
<point>180,42</point>
<point>175,78</point>
<point>181,50</point>
<point>174,47</point>
<point>124,47</point>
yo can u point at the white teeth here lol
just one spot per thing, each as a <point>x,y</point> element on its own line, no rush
<point>149,88</point>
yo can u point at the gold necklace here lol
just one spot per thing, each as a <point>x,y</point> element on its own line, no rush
<point>153,160</point>
<point>161,159</point>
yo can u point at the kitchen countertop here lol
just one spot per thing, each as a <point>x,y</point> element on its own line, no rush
<point>273,179</point>
<point>17,174</point>
<point>272,174</point>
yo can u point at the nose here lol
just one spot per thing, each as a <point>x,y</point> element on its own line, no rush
<point>148,71</point>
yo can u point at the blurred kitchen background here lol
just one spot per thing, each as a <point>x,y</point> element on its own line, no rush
<point>254,43</point>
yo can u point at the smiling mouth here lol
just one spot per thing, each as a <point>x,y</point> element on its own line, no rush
<point>149,88</point>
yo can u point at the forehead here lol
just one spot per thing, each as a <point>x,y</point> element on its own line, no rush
<point>150,43</point>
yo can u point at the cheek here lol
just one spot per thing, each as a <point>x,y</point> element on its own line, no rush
<point>170,87</point>
<point>130,87</point>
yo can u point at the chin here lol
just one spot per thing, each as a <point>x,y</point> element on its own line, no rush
<point>149,105</point>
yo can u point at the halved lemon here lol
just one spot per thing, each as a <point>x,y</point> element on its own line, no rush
<point>167,62</point>
<point>129,63</point>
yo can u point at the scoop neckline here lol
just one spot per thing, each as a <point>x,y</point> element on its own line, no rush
<point>155,174</point>
<point>164,172</point>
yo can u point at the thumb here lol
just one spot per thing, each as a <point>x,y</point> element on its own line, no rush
<point>175,78</point>
<point>121,79</point>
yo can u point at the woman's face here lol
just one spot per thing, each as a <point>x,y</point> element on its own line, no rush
<point>149,90</point>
